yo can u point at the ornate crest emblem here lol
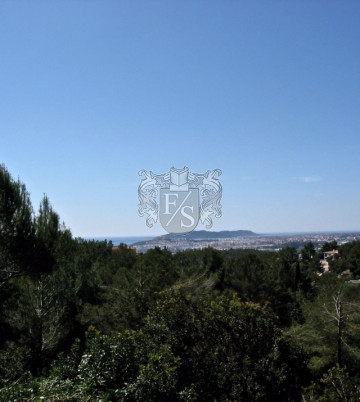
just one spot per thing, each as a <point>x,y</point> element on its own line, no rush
<point>185,198</point>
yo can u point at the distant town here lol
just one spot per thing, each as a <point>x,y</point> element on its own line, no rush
<point>249,241</point>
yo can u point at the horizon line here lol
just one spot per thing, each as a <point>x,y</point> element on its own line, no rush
<point>226,230</point>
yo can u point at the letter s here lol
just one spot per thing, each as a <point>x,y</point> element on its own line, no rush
<point>185,215</point>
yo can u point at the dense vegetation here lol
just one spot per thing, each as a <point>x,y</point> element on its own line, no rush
<point>81,321</point>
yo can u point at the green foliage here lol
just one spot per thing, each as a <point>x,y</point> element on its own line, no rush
<point>107,362</point>
<point>308,252</point>
<point>266,280</point>
<point>228,349</point>
<point>47,230</point>
<point>40,311</point>
<point>157,379</point>
<point>17,237</point>
<point>335,385</point>
<point>13,358</point>
<point>329,246</point>
<point>249,277</point>
<point>330,333</point>
<point>66,365</point>
<point>25,388</point>
<point>340,386</point>
<point>348,259</point>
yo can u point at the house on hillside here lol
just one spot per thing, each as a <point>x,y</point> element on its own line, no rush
<point>328,255</point>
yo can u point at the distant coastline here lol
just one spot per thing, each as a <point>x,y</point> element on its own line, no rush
<point>131,240</point>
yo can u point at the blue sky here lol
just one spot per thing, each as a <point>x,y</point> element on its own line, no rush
<point>91,92</point>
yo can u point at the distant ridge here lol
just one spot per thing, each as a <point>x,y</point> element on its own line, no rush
<point>206,235</point>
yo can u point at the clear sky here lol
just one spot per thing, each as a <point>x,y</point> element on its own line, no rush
<point>93,91</point>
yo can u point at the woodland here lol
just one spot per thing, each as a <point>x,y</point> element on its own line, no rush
<point>86,321</point>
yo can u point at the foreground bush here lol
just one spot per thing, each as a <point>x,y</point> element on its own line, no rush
<point>221,349</point>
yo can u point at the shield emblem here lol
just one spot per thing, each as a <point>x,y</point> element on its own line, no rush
<point>179,210</point>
